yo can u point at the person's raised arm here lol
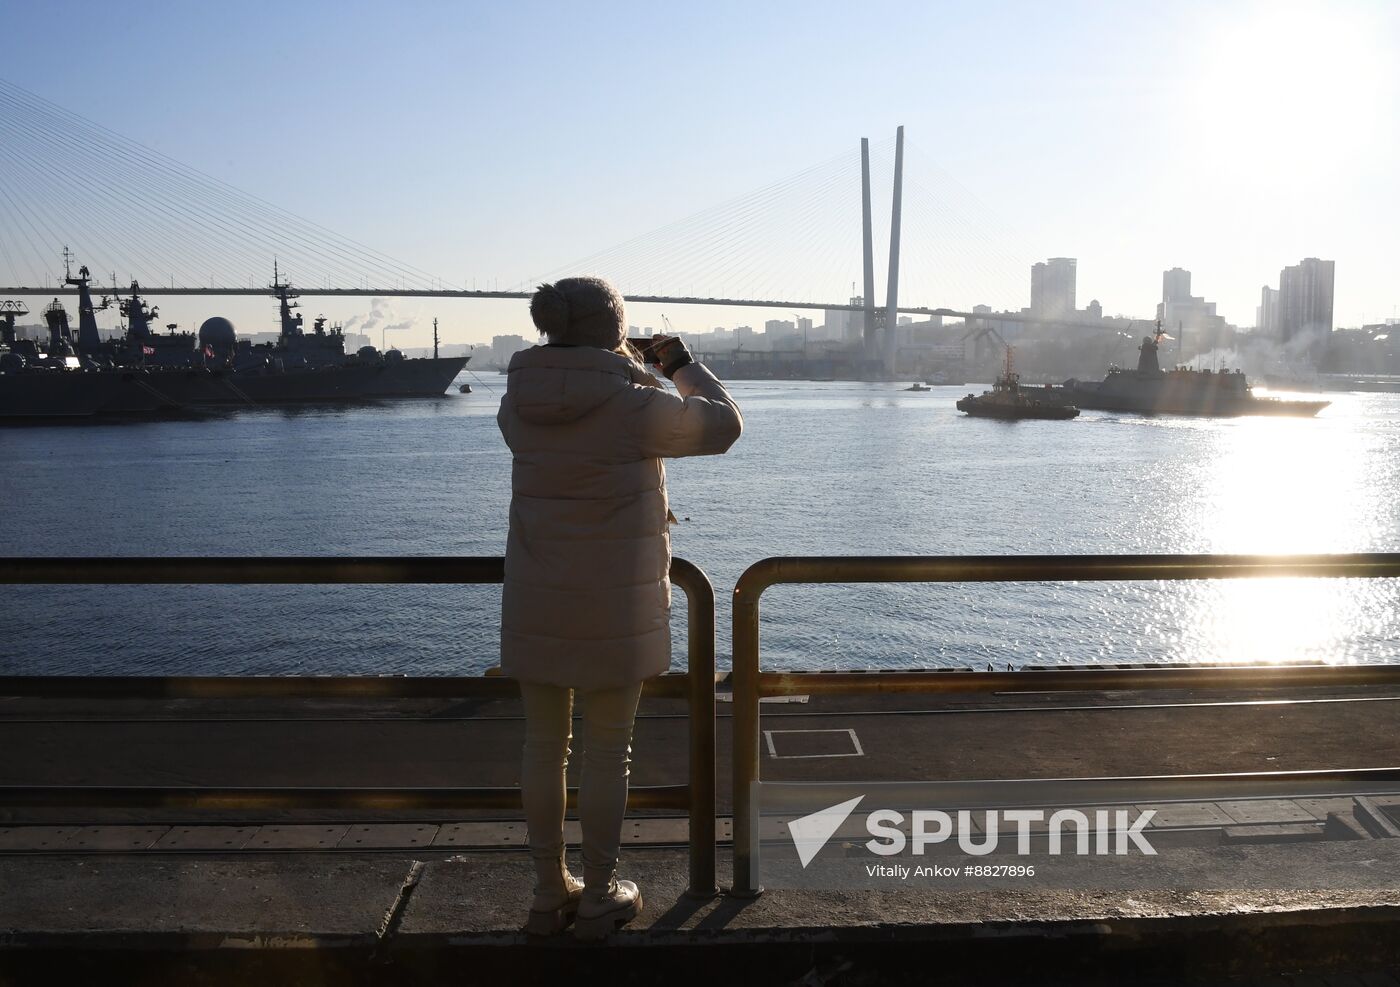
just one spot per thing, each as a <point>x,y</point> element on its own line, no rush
<point>700,420</point>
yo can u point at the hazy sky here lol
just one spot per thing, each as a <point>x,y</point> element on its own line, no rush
<point>500,141</point>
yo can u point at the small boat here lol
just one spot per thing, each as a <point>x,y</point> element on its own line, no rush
<point>1009,401</point>
<point>465,389</point>
<point>916,386</point>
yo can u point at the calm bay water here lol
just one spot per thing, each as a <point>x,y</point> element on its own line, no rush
<point>822,468</point>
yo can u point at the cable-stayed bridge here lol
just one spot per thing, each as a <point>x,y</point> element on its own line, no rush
<point>805,242</point>
<point>468,293</point>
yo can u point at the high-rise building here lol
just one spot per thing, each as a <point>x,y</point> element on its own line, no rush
<point>1176,285</point>
<point>843,325</point>
<point>1305,300</point>
<point>1179,309</point>
<point>1266,316</point>
<point>505,347</point>
<point>1052,288</point>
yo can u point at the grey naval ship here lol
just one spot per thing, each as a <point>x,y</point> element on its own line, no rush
<point>1181,391</point>
<point>144,372</point>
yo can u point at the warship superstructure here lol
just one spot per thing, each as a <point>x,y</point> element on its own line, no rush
<point>1180,391</point>
<point>147,372</point>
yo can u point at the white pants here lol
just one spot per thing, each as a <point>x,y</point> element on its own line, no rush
<point>608,716</point>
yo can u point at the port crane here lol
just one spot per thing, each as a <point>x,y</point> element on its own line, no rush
<point>979,333</point>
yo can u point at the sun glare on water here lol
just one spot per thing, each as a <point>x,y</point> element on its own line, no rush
<point>1283,486</point>
<point>1288,485</point>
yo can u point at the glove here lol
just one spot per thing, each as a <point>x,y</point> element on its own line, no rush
<point>670,355</point>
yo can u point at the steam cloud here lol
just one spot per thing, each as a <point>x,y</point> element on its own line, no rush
<point>382,318</point>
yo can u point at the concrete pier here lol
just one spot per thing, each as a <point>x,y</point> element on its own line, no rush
<point>328,896</point>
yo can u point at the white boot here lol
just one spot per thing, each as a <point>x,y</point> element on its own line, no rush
<point>557,895</point>
<point>600,913</point>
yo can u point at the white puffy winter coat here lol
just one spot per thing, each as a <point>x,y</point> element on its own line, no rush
<point>587,600</point>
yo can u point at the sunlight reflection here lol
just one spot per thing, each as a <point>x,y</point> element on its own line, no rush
<point>1267,621</point>
<point>1283,486</point>
<point>1280,485</point>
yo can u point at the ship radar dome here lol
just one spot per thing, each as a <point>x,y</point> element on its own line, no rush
<point>217,332</point>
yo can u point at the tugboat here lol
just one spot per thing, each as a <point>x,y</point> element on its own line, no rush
<point>1009,401</point>
<point>1181,391</point>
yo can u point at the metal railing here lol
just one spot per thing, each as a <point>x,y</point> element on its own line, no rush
<point>751,683</point>
<point>697,685</point>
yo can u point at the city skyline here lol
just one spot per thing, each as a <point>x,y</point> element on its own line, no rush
<point>1303,305</point>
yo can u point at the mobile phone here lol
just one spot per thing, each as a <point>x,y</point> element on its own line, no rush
<point>646,346</point>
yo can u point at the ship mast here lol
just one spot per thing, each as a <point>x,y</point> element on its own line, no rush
<point>1008,376</point>
<point>435,340</point>
<point>138,314</point>
<point>282,291</point>
<point>88,336</point>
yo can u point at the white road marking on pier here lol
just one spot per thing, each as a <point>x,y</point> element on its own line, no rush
<point>856,750</point>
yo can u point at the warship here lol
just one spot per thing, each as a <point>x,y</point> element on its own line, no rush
<point>1009,400</point>
<point>1180,391</point>
<point>143,372</point>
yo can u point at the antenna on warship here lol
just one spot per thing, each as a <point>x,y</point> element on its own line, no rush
<point>435,340</point>
<point>9,311</point>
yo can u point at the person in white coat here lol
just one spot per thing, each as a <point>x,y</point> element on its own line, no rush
<point>587,599</point>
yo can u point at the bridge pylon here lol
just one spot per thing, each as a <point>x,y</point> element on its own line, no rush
<point>868,299</point>
<point>892,291</point>
<point>881,325</point>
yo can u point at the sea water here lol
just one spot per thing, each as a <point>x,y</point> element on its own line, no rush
<point>822,469</point>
